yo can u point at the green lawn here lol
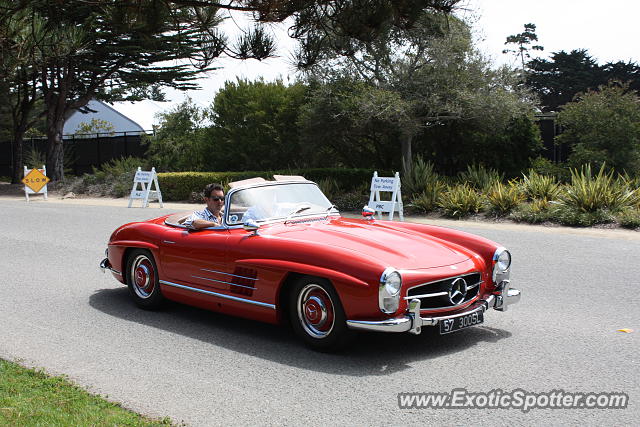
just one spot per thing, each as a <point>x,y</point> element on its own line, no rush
<point>32,398</point>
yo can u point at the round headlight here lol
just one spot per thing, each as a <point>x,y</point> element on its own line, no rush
<point>392,283</point>
<point>504,260</point>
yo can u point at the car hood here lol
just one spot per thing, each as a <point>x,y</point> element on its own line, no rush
<point>399,248</point>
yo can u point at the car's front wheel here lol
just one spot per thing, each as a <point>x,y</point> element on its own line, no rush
<point>316,314</point>
<point>142,279</point>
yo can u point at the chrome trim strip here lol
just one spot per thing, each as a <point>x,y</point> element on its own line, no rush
<point>216,294</point>
<point>169,242</point>
<point>221,281</point>
<point>437,294</point>
<point>228,274</point>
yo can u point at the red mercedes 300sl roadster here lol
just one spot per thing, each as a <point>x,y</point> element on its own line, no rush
<point>284,253</point>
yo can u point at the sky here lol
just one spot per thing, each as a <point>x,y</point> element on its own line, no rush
<point>609,30</point>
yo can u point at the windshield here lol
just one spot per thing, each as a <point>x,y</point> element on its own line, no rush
<point>278,201</point>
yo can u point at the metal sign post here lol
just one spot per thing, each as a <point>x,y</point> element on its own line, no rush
<point>35,181</point>
<point>146,179</point>
<point>386,184</point>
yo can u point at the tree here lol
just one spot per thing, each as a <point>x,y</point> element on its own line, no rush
<point>603,127</point>
<point>19,56</point>
<point>418,79</point>
<point>178,143</point>
<point>338,130</point>
<point>254,126</point>
<point>559,79</point>
<point>522,44</point>
<point>113,47</point>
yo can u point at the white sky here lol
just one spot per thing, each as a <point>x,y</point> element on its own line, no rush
<point>609,30</point>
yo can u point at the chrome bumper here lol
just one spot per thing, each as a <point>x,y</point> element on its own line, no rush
<point>106,265</point>
<point>412,321</point>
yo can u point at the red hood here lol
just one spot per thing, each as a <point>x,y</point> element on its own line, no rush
<point>401,249</point>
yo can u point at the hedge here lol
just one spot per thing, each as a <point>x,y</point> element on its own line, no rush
<point>179,186</point>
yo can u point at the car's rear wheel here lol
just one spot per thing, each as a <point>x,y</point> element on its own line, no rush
<point>317,315</point>
<point>142,279</point>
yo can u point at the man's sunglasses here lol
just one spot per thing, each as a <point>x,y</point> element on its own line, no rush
<point>216,198</point>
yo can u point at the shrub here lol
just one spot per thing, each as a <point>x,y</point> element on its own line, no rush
<point>329,187</point>
<point>113,179</point>
<point>350,201</point>
<point>603,126</point>
<point>460,200</point>
<point>546,167</point>
<point>540,187</point>
<point>428,199</point>
<point>534,213</point>
<point>422,175</point>
<point>180,185</point>
<point>629,218</point>
<point>588,193</point>
<point>479,177</point>
<point>566,215</point>
<point>504,198</point>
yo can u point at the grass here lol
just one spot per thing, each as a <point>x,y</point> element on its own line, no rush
<point>32,398</point>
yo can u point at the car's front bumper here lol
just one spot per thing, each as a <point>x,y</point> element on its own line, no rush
<point>413,322</point>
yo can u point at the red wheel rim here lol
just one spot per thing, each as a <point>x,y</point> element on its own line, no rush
<point>143,277</point>
<point>315,311</point>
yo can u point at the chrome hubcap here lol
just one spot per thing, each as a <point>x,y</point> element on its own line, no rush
<point>315,311</point>
<point>143,276</point>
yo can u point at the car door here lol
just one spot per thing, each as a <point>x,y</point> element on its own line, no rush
<point>196,258</point>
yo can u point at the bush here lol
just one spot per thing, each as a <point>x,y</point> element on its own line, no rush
<point>533,213</point>
<point>329,187</point>
<point>504,198</point>
<point>350,201</point>
<point>113,179</point>
<point>566,215</point>
<point>460,201</point>
<point>588,194</point>
<point>422,175</point>
<point>548,168</point>
<point>540,187</point>
<point>629,218</point>
<point>429,198</point>
<point>603,126</point>
<point>180,185</point>
<point>479,177</point>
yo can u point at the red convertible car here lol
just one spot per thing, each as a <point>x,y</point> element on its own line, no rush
<point>284,254</point>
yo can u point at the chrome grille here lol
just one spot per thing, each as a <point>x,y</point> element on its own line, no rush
<point>436,294</point>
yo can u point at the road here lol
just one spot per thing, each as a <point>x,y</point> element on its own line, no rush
<point>59,312</point>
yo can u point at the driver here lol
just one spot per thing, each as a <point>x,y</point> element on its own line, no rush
<point>211,216</point>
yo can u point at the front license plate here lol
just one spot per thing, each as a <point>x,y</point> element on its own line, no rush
<point>457,323</point>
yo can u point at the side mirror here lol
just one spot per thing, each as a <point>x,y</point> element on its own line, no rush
<point>251,225</point>
<point>367,212</point>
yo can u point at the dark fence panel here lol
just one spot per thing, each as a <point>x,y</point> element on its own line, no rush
<point>549,129</point>
<point>81,154</point>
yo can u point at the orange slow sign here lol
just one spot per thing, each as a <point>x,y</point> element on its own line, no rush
<point>35,180</point>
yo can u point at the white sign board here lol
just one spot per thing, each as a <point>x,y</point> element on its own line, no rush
<point>146,179</point>
<point>389,185</point>
<point>35,182</point>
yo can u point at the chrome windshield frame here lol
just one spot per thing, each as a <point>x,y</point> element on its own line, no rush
<point>225,219</point>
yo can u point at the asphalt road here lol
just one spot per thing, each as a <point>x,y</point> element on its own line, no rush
<point>59,312</point>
